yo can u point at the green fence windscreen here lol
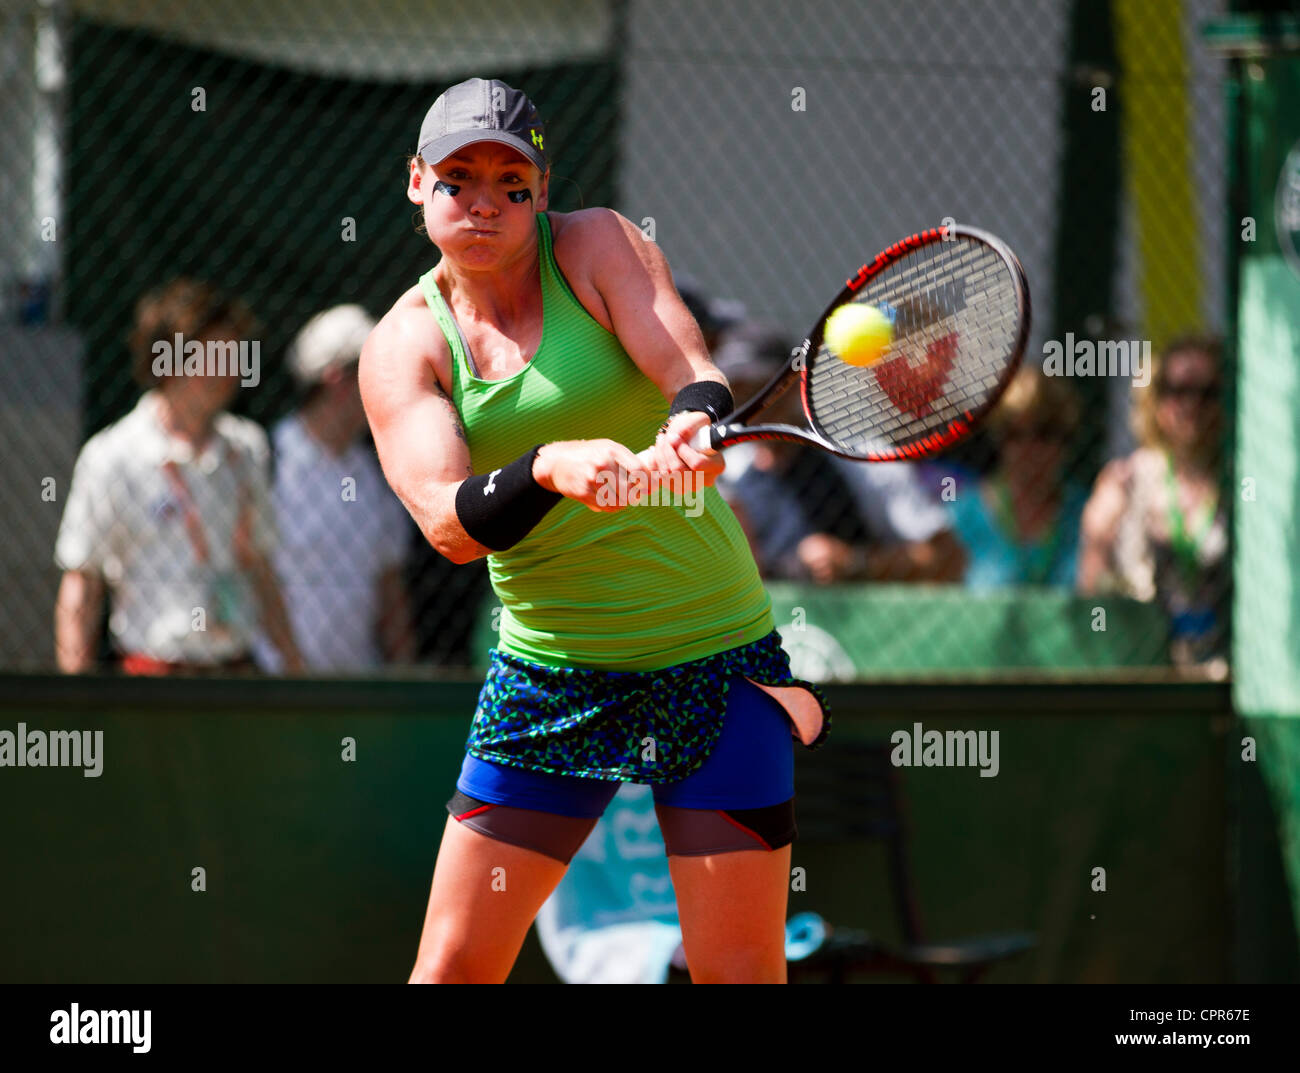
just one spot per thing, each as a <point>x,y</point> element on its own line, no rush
<point>1266,691</point>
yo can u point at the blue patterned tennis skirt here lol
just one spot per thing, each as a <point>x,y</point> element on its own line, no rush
<point>634,726</point>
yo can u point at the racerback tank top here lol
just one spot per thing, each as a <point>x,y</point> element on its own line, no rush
<point>642,588</point>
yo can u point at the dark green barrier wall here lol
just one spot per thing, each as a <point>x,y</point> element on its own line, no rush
<point>318,870</point>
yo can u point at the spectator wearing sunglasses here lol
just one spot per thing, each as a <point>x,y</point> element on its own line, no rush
<point>1020,524</point>
<point>1155,527</point>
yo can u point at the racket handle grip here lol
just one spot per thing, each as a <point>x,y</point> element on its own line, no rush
<point>704,440</point>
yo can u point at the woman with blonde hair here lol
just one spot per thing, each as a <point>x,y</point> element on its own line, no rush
<point>1155,527</point>
<point>1021,524</point>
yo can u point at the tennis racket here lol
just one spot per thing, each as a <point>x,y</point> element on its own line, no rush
<point>958,304</point>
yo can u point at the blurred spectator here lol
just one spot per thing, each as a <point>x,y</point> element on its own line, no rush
<point>1155,527</point>
<point>1020,524</point>
<point>169,507</point>
<point>343,534</point>
<point>810,516</point>
<point>715,316</point>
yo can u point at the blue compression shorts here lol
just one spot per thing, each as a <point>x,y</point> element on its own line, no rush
<point>745,785</point>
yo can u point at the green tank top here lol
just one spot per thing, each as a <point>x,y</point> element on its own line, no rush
<point>639,589</point>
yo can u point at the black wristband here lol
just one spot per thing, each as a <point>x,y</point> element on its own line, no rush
<point>707,396</point>
<point>499,510</point>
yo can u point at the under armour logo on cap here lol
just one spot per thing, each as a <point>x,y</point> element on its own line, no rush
<point>483,110</point>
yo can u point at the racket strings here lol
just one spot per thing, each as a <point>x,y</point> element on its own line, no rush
<point>955,311</point>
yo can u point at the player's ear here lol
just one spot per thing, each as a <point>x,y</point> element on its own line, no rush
<point>415,182</point>
<point>545,184</point>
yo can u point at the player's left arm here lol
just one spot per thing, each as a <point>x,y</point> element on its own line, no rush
<point>654,326</point>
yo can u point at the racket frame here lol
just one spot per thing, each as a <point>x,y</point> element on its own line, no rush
<point>721,434</point>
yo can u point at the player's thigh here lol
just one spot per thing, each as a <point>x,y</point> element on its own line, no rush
<point>509,839</point>
<point>728,829</point>
<point>732,908</point>
<point>484,897</point>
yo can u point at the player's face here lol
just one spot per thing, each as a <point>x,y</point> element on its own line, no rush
<point>468,212</point>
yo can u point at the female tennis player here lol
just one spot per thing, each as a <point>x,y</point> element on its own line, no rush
<point>509,392</point>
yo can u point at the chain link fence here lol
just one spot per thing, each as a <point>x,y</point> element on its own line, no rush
<point>259,152</point>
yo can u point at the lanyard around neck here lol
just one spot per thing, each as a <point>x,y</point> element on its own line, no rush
<point>189,509</point>
<point>1186,545</point>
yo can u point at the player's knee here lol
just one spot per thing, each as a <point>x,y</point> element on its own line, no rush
<point>447,964</point>
<point>436,972</point>
<point>425,972</point>
<point>446,956</point>
<point>753,965</point>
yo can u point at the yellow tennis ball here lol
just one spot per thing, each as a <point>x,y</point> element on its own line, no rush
<point>858,333</point>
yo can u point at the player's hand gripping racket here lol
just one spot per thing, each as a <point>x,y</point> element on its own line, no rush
<point>958,304</point>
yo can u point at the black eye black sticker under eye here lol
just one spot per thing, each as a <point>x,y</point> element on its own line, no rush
<point>446,188</point>
<point>520,196</point>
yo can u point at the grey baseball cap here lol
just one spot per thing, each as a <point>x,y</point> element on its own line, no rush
<point>330,340</point>
<point>482,110</point>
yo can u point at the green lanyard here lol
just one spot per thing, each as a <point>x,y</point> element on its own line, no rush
<point>1035,560</point>
<point>1186,546</point>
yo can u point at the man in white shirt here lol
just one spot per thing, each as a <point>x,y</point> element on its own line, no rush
<point>169,508</point>
<point>343,534</point>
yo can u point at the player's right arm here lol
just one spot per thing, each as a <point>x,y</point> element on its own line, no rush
<point>405,376</point>
<point>417,431</point>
